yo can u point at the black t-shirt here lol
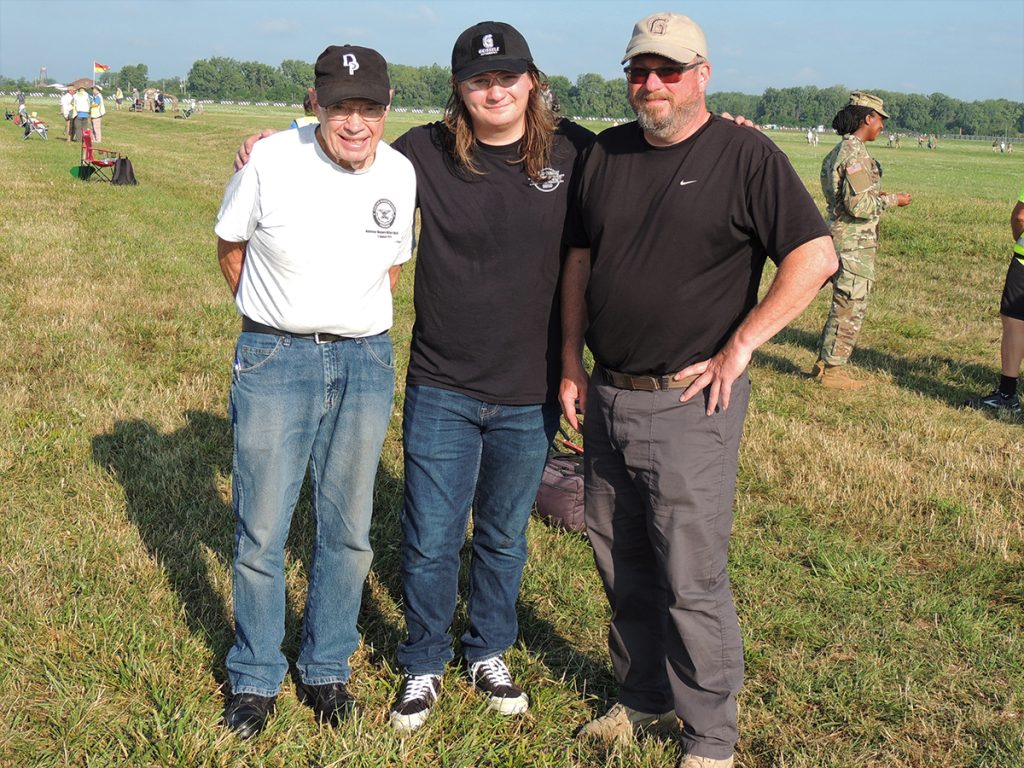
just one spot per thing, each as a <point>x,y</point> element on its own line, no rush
<point>487,265</point>
<point>678,238</point>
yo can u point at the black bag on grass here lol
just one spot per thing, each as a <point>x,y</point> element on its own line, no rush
<point>560,497</point>
<point>123,172</point>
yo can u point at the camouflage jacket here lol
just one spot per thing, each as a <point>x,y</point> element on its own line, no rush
<point>852,183</point>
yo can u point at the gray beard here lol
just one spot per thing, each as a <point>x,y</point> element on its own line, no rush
<point>667,127</point>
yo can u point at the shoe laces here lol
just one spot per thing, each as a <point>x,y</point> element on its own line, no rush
<point>493,668</point>
<point>418,687</point>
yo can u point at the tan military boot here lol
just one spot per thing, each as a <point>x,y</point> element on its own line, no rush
<point>835,377</point>
<point>620,724</point>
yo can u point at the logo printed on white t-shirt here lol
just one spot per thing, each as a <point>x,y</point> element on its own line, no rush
<point>384,213</point>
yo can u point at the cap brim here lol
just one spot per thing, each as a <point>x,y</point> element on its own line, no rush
<point>515,66</point>
<point>673,55</point>
<point>332,93</point>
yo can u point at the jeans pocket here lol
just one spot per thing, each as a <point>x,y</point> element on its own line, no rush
<point>380,350</point>
<point>254,350</point>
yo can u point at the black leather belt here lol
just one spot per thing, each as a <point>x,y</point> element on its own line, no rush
<point>251,326</point>
<point>646,383</point>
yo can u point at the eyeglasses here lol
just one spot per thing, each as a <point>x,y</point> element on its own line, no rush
<point>668,75</point>
<point>486,82</point>
<point>371,113</point>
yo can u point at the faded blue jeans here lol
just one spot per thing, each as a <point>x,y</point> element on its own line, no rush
<point>462,454</point>
<point>297,404</point>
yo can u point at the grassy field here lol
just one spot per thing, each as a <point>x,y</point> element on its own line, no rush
<point>877,557</point>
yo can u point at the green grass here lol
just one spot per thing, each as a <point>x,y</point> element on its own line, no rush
<point>877,557</point>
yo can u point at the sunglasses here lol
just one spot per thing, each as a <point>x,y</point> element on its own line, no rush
<point>668,75</point>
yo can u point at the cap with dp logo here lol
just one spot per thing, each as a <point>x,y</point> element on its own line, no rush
<point>671,35</point>
<point>490,46</point>
<point>351,72</point>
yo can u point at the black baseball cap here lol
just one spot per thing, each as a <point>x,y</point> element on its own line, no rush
<point>490,46</point>
<point>351,72</point>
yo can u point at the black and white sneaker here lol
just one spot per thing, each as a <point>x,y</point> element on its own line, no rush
<point>995,401</point>
<point>419,692</point>
<point>492,677</point>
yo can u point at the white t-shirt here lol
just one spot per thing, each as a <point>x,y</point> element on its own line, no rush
<point>320,239</point>
<point>65,103</point>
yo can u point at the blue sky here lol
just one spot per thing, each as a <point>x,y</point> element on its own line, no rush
<point>968,50</point>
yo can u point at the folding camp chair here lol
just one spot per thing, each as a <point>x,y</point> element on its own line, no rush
<point>100,161</point>
<point>34,125</point>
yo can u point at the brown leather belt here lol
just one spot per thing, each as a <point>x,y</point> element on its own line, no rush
<point>251,326</point>
<point>646,383</point>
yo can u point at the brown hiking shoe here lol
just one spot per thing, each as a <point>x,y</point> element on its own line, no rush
<point>835,377</point>
<point>695,761</point>
<point>620,724</point>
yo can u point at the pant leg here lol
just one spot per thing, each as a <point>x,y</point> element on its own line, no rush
<point>850,293</point>
<point>442,445</point>
<point>616,517</point>
<point>516,440</point>
<point>680,465</point>
<point>359,379</point>
<point>276,405</point>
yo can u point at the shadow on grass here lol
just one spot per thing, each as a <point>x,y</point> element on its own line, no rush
<point>172,484</point>
<point>942,378</point>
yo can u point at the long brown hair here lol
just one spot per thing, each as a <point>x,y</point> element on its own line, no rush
<point>538,135</point>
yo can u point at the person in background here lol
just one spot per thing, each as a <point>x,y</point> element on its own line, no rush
<point>1011,314</point>
<point>81,104</point>
<point>118,98</point>
<point>309,114</point>
<point>97,109</point>
<point>851,181</point>
<point>66,99</point>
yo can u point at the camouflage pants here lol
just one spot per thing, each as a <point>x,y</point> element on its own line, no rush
<point>850,289</point>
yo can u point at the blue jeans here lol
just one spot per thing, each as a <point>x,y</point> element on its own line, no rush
<point>462,453</point>
<point>296,403</point>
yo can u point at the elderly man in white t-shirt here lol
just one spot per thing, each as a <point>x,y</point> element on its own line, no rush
<point>311,236</point>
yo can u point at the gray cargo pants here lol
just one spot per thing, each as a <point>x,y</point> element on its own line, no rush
<point>660,480</point>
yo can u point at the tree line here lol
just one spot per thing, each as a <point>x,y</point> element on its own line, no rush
<point>427,87</point>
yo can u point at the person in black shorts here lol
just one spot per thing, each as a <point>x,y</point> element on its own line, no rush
<point>1011,312</point>
<point>671,221</point>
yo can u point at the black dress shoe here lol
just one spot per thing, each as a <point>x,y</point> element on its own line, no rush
<point>247,713</point>
<point>331,702</point>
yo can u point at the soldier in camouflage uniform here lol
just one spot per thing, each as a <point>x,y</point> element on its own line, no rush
<point>851,181</point>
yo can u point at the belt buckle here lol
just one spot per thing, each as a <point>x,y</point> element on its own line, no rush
<point>316,338</point>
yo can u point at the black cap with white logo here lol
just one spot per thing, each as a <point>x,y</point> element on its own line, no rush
<point>351,72</point>
<point>490,46</point>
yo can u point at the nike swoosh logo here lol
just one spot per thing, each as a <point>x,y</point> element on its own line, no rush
<point>684,183</point>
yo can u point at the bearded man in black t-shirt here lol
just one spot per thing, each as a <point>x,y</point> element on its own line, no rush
<point>671,220</point>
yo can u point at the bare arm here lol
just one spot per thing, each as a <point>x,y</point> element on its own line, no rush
<point>393,274</point>
<point>1017,220</point>
<point>800,277</point>
<point>242,156</point>
<point>573,387</point>
<point>231,256</point>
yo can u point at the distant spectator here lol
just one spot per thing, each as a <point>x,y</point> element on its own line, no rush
<point>66,113</point>
<point>81,103</point>
<point>1011,313</point>
<point>118,98</point>
<point>97,109</point>
<point>309,118</point>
